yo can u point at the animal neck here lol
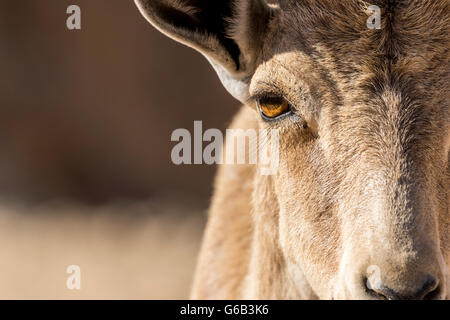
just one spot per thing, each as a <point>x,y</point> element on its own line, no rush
<point>269,276</point>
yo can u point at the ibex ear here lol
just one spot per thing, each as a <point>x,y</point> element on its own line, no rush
<point>229,33</point>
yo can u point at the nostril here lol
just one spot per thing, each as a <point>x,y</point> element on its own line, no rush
<point>429,291</point>
<point>433,295</point>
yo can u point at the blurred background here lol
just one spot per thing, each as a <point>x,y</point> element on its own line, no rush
<point>85,171</point>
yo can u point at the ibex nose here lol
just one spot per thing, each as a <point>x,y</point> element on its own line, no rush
<point>425,287</point>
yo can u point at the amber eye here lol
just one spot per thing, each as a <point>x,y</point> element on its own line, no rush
<point>273,107</point>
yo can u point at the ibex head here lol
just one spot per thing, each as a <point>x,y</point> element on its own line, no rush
<point>364,124</point>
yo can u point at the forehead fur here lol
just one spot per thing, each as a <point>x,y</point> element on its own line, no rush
<point>419,22</point>
<point>408,58</point>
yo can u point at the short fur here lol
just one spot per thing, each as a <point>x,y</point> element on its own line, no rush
<point>364,175</point>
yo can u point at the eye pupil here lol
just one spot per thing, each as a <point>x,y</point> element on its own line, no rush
<point>273,107</point>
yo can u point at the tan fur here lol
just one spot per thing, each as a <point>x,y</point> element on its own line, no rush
<point>364,174</point>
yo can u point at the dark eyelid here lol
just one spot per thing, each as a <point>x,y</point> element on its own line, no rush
<point>271,99</point>
<point>254,98</point>
<point>267,90</point>
<point>266,95</point>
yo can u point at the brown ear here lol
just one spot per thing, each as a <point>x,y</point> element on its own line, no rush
<point>229,33</point>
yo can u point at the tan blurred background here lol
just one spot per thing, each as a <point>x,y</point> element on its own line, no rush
<point>85,170</point>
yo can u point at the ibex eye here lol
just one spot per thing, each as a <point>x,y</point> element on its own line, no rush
<point>273,107</point>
